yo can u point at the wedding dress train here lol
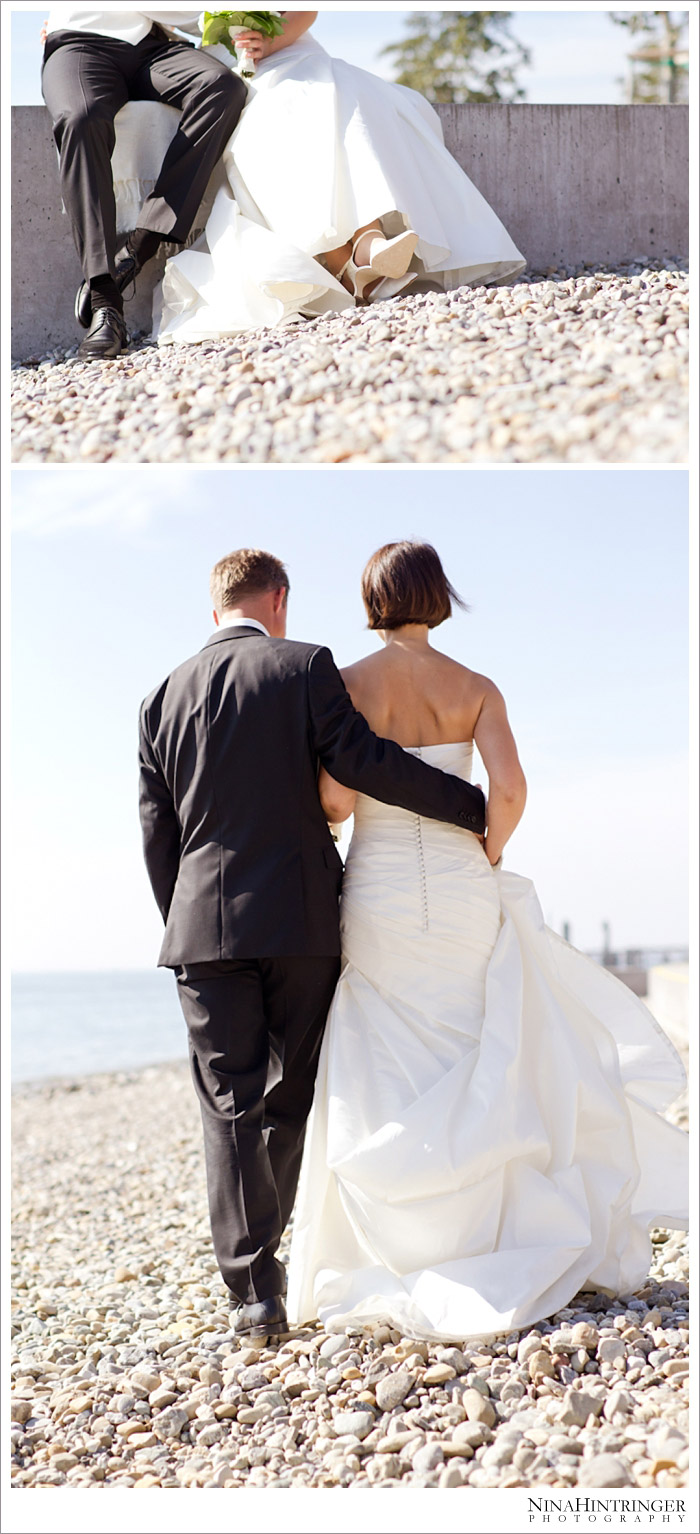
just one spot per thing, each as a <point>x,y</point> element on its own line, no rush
<point>487,1134</point>
<point>322,149</point>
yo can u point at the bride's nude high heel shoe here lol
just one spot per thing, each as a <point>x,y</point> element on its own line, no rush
<point>388,265</point>
<point>390,258</point>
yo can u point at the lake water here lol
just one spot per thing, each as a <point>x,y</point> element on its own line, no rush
<point>76,1024</point>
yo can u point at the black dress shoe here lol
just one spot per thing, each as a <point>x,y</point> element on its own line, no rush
<point>106,337</point>
<point>264,1319</point>
<point>126,270</point>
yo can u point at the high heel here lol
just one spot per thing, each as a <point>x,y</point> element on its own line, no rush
<point>391,258</point>
<point>388,265</point>
<point>390,287</point>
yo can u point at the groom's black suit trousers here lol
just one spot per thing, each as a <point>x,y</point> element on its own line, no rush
<point>255,1029</point>
<point>86,79</point>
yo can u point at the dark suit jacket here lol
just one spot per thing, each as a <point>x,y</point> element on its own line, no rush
<point>237,847</point>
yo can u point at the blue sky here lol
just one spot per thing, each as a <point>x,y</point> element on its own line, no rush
<point>577,55</point>
<point>577,584</point>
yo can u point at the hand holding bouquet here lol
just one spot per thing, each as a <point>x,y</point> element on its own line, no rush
<point>224,26</point>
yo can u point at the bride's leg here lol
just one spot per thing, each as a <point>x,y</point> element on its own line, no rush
<point>337,260</point>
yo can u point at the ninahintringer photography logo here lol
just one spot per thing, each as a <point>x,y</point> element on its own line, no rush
<point>635,1511</point>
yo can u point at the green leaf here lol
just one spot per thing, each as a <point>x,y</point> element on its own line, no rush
<point>217,23</point>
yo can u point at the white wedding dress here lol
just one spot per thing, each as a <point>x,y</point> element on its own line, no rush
<point>487,1134</point>
<point>323,148</point>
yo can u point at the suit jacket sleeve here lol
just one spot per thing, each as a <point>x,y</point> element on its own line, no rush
<point>358,758</point>
<point>159,823</point>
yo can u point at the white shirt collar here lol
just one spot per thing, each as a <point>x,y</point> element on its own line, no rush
<point>243,623</point>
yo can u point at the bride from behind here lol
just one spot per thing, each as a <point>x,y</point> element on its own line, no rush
<point>487,1136</point>
<point>338,190</point>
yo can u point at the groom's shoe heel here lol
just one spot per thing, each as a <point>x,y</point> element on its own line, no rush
<point>83,306</point>
<point>261,1321</point>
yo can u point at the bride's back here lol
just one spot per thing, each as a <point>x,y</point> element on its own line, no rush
<point>415,695</point>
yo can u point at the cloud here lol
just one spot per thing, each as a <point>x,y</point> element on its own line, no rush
<point>126,500</point>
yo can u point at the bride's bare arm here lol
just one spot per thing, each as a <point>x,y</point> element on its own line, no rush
<point>296,23</point>
<point>337,802</point>
<point>507,786</point>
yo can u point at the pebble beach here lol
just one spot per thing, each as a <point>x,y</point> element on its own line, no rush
<point>125,1373</point>
<point>578,365</point>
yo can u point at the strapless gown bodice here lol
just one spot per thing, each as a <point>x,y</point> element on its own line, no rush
<point>413,889</point>
<point>487,1135</point>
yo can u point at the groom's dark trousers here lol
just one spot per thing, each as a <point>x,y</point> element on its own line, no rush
<point>255,1029</point>
<point>247,879</point>
<point>86,79</point>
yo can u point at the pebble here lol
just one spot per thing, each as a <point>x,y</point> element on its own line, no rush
<point>355,1423</point>
<point>427,1458</point>
<point>478,1408</point>
<point>605,1470</point>
<point>578,1406</point>
<point>583,366</point>
<point>139,1382</point>
<point>393,1389</point>
<point>473,1434</point>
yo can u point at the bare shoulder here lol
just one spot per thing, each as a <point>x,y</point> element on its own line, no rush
<point>486,687</point>
<point>358,668</point>
<point>474,687</point>
<point>360,675</point>
<point>490,698</point>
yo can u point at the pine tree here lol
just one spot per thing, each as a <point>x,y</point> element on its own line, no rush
<point>460,56</point>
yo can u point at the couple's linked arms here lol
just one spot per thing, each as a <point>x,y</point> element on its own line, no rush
<point>349,751</point>
<point>353,758</point>
<point>507,787</point>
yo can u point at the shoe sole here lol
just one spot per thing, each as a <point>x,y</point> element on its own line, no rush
<point>392,287</point>
<point>106,356</point>
<point>97,356</point>
<point>262,1334</point>
<point>396,256</point>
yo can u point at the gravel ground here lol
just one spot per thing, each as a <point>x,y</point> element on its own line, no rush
<point>580,365</point>
<point>124,1373</point>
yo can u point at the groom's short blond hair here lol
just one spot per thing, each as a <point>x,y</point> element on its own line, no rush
<point>245,573</point>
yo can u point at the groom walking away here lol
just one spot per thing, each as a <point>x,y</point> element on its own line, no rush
<point>247,879</point>
<point>94,62</point>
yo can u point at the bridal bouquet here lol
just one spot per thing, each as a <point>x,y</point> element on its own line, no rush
<point>224,26</point>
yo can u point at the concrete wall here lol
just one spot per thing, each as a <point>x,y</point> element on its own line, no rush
<point>571,184</point>
<point>579,183</point>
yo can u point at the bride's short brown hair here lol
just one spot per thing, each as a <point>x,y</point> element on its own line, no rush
<point>405,583</point>
<point>245,573</point>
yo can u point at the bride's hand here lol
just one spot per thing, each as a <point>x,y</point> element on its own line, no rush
<point>252,43</point>
<point>44,32</point>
